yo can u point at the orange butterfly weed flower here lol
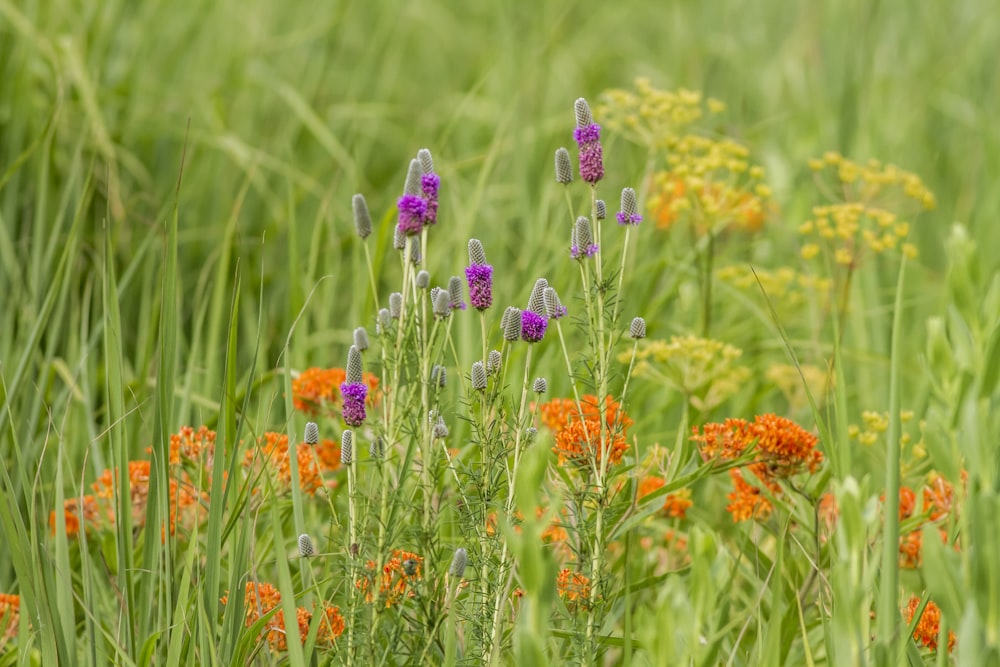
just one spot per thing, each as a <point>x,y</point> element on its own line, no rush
<point>579,441</point>
<point>574,589</point>
<point>189,445</point>
<point>272,450</point>
<point>89,513</point>
<point>398,574</point>
<point>929,626</point>
<point>316,391</point>
<point>10,616</point>
<point>260,598</point>
<point>675,505</point>
<point>327,452</point>
<point>747,501</point>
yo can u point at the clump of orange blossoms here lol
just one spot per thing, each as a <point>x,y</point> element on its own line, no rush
<point>273,450</point>
<point>675,505</point>
<point>574,589</point>
<point>782,449</point>
<point>938,505</point>
<point>10,616</point>
<point>929,626</point>
<point>398,575</point>
<point>577,429</point>
<point>316,391</point>
<point>261,598</point>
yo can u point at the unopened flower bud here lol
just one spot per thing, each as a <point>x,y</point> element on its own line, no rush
<point>361,339</point>
<point>458,562</point>
<point>347,448</point>
<point>442,304</point>
<point>413,175</point>
<point>477,255</point>
<point>540,386</point>
<point>440,430</point>
<point>478,376</point>
<point>362,218</point>
<point>455,293</point>
<point>493,360</point>
<point>439,376</point>
<point>312,433</point>
<point>426,161</point>
<point>511,323</point>
<point>354,365</point>
<point>583,115</point>
<point>600,209</point>
<point>384,320</point>
<point>306,548</point>
<point>395,305</point>
<point>638,328</point>
<point>564,168</point>
<point>423,280</point>
<point>376,450</point>
<point>536,302</point>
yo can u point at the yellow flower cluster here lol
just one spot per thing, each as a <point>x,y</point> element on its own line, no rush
<point>711,182</point>
<point>705,370</point>
<point>652,117</point>
<point>863,219</point>
<point>785,287</point>
<point>874,424</point>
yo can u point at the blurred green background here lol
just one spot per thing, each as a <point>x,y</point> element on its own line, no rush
<point>293,107</point>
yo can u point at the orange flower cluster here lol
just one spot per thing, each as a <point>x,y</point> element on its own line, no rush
<point>938,506</point>
<point>261,598</point>
<point>312,461</point>
<point>783,448</point>
<point>398,573</point>
<point>316,391</point>
<point>185,498</point>
<point>675,505</point>
<point>574,589</point>
<point>929,626</point>
<point>10,616</point>
<point>578,430</point>
<point>672,199</point>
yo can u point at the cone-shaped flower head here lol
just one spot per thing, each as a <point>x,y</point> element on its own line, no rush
<point>361,338</point>
<point>554,309</point>
<point>347,448</point>
<point>354,364</point>
<point>600,209</point>
<point>362,218</point>
<point>540,386</point>
<point>442,304</point>
<point>354,394</point>
<point>536,302</point>
<point>384,320</point>
<point>458,563</point>
<point>395,305</point>
<point>306,548</point>
<point>377,449</point>
<point>638,328</point>
<point>477,254</point>
<point>564,168</point>
<point>423,280</point>
<point>439,376</point>
<point>426,161</point>
<point>455,293</point>
<point>412,206</point>
<point>583,240</point>
<point>398,239</point>
<point>479,275</point>
<point>440,430</point>
<point>629,215</point>
<point>511,323</point>
<point>478,376</point>
<point>430,183</point>
<point>588,138</point>
<point>493,360</point>
<point>532,326</point>
<point>312,433</point>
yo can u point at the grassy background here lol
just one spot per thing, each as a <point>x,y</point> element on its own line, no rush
<point>288,110</point>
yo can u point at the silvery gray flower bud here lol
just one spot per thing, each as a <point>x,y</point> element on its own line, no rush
<point>362,218</point>
<point>415,256</point>
<point>477,255</point>
<point>439,376</point>
<point>583,115</point>
<point>493,360</point>
<point>455,292</point>
<point>440,430</point>
<point>638,328</point>
<point>395,305</point>
<point>384,320</point>
<point>554,309</point>
<point>478,376</point>
<point>376,450</point>
<point>458,562</point>
<point>306,548</point>
<point>600,209</point>
<point>540,386</point>
<point>536,302</point>
<point>410,567</point>
<point>511,323</point>
<point>399,239</point>
<point>564,168</point>
<point>355,367</point>
<point>347,448</point>
<point>413,175</point>
<point>426,161</point>
<point>423,280</point>
<point>530,435</point>
<point>442,305</point>
<point>361,339</point>
<point>312,433</point>
<point>584,233</point>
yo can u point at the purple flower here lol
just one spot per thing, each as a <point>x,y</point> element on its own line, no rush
<point>588,138</point>
<point>354,394</point>
<point>576,252</point>
<point>631,219</point>
<point>412,211</point>
<point>480,277</point>
<point>429,185</point>
<point>532,326</point>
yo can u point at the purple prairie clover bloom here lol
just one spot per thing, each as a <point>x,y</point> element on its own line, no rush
<point>588,138</point>
<point>532,326</point>
<point>480,277</point>
<point>578,252</point>
<point>429,185</point>
<point>354,394</point>
<point>629,213</point>
<point>629,219</point>
<point>412,211</point>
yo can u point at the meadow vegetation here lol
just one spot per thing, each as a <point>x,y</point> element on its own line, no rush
<point>525,333</point>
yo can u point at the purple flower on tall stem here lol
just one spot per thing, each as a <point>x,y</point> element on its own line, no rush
<point>429,185</point>
<point>354,394</point>
<point>480,278</point>
<point>412,211</point>
<point>532,326</point>
<point>588,138</point>
<point>629,213</point>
